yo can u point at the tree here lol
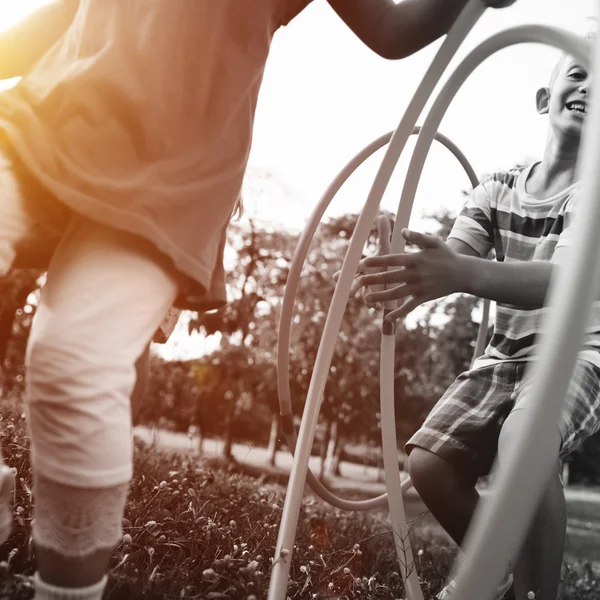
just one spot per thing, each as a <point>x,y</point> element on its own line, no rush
<point>260,270</point>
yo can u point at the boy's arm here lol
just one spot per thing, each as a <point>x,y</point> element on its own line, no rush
<point>521,284</point>
<point>398,30</point>
<point>441,269</point>
<point>23,45</point>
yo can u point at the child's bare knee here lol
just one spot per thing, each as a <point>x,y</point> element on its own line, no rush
<point>425,469</point>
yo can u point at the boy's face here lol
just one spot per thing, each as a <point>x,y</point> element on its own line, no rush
<point>567,100</point>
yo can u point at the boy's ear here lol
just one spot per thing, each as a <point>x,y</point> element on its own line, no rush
<point>542,100</point>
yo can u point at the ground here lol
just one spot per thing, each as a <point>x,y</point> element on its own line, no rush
<point>583,503</point>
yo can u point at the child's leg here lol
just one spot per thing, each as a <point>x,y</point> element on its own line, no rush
<point>105,295</point>
<point>30,223</point>
<point>539,561</point>
<point>457,444</point>
<point>450,497</point>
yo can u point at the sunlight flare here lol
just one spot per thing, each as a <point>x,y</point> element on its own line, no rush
<point>13,12</point>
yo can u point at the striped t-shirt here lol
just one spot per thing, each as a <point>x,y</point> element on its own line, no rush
<point>501,215</point>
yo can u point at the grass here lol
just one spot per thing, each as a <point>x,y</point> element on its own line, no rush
<point>208,531</point>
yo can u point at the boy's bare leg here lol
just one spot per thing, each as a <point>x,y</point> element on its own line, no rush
<point>538,567</point>
<point>451,499</point>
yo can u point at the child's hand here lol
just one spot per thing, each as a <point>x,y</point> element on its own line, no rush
<point>434,272</point>
<point>384,237</point>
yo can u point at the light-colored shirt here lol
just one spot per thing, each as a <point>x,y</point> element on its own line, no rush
<point>141,116</point>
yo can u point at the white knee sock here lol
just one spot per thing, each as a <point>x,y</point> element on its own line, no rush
<point>46,591</point>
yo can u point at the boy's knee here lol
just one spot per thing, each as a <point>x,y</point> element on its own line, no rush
<point>426,469</point>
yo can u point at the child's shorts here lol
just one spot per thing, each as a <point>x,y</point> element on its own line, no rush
<point>464,426</point>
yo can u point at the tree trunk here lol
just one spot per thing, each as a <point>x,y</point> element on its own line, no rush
<point>274,439</point>
<point>337,457</point>
<point>228,433</point>
<point>324,447</point>
<point>380,467</point>
<point>198,419</point>
<point>200,445</point>
<point>331,447</point>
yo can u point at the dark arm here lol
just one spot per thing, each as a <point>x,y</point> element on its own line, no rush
<point>522,284</point>
<point>398,30</point>
<point>23,45</point>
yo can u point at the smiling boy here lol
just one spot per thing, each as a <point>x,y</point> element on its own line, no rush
<point>526,215</point>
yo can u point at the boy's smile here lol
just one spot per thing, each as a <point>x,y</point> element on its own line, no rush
<point>568,102</point>
<point>577,106</point>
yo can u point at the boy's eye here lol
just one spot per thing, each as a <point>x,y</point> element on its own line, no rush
<point>578,75</point>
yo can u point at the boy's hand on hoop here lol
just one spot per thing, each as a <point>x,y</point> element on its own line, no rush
<point>434,272</point>
<point>384,238</point>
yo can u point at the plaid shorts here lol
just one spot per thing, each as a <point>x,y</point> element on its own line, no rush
<point>464,426</point>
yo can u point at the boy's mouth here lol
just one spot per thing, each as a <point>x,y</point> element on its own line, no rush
<point>576,106</point>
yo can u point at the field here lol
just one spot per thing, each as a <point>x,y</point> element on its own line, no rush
<point>207,530</point>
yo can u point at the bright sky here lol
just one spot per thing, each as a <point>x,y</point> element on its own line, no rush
<point>325,97</point>
<point>11,12</point>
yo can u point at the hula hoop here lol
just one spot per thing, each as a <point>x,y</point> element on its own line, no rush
<point>287,309</point>
<point>285,541</point>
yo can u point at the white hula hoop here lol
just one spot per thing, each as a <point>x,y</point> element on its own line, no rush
<point>291,508</point>
<point>287,309</point>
